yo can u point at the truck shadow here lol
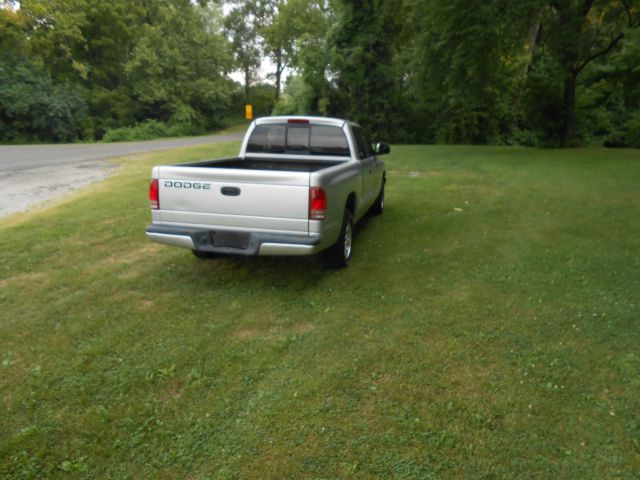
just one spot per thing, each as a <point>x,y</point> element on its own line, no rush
<point>258,273</point>
<point>290,271</point>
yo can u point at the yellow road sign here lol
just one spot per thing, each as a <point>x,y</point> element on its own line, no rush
<point>248,111</point>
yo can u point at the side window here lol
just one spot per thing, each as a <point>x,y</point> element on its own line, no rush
<point>363,143</point>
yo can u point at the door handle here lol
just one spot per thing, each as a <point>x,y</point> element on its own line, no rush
<point>230,191</point>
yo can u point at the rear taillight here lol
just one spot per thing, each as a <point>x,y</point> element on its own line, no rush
<point>154,194</point>
<point>317,204</point>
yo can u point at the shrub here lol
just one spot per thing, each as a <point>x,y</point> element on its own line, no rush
<point>149,130</point>
<point>32,109</point>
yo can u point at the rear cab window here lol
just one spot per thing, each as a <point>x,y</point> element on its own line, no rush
<point>299,139</point>
<point>267,139</point>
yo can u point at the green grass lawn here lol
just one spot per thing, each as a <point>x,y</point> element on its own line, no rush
<point>488,327</point>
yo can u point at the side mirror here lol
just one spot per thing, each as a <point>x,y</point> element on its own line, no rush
<point>382,148</point>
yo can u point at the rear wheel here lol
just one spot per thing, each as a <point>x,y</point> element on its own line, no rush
<point>340,253</point>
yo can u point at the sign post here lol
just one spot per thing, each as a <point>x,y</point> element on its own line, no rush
<point>248,112</point>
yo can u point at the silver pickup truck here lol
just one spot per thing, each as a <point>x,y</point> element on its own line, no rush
<point>297,188</point>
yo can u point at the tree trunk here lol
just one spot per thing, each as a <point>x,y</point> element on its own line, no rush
<point>530,45</point>
<point>279,70</point>
<point>247,82</point>
<point>572,18</point>
<point>568,128</point>
<point>532,40</point>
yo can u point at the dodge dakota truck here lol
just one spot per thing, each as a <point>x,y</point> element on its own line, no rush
<point>297,187</point>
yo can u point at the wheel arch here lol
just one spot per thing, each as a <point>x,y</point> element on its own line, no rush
<point>350,204</point>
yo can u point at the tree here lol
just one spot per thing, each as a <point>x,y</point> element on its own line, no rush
<point>56,36</point>
<point>13,28</point>
<point>178,67</point>
<point>32,108</point>
<point>581,31</point>
<point>87,44</point>
<point>289,28</point>
<point>465,68</point>
<point>240,27</point>
<point>361,43</point>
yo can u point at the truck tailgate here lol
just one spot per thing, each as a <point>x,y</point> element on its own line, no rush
<point>271,201</point>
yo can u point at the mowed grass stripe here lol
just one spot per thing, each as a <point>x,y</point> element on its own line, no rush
<point>488,326</point>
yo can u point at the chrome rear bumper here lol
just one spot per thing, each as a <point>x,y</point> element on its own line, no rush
<point>232,242</point>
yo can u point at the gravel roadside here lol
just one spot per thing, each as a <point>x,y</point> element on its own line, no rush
<point>20,190</point>
<point>32,174</point>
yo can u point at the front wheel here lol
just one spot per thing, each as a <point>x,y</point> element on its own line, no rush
<point>340,253</point>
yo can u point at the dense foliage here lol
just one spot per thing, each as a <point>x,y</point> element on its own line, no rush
<point>533,72</point>
<point>79,69</point>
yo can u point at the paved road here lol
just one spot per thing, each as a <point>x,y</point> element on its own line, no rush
<point>32,174</point>
<point>25,157</point>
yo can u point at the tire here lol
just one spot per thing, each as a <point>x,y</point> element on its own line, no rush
<point>341,252</point>
<point>378,205</point>
<point>203,255</point>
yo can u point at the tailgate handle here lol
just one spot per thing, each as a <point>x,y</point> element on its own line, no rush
<point>230,191</point>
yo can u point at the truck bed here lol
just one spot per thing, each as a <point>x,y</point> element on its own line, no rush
<point>266,164</point>
<point>264,195</point>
